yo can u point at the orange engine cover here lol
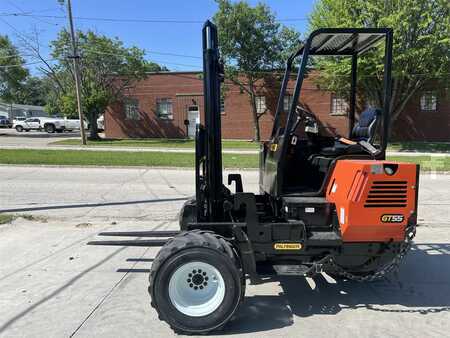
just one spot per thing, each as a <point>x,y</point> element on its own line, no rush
<point>373,199</point>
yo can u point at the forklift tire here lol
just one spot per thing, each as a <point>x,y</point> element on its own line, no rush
<point>196,282</point>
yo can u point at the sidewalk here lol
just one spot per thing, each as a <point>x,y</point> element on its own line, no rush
<point>186,150</point>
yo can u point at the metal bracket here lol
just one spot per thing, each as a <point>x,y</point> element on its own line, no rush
<point>238,179</point>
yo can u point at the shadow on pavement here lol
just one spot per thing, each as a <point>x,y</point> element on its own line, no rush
<point>71,281</point>
<point>422,286</point>
<point>90,205</point>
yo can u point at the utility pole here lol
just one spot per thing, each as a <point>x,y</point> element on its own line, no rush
<point>76,59</point>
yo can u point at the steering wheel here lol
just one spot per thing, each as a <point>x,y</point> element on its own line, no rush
<point>303,113</point>
<point>310,121</point>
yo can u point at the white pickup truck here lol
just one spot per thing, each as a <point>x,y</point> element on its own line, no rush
<point>50,125</point>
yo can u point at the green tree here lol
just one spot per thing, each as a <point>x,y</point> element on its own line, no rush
<point>108,69</point>
<point>421,45</point>
<point>34,91</point>
<point>12,70</point>
<point>252,45</point>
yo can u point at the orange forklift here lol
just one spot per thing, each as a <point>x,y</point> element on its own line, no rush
<point>330,205</point>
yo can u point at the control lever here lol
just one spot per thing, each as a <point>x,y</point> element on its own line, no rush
<point>369,148</point>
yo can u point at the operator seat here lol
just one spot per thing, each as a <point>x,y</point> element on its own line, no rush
<point>364,130</point>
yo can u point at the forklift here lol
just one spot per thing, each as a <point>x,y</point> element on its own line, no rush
<point>326,204</point>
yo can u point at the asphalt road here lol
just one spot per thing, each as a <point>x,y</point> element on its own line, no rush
<point>53,285</point>
<point>10,138</point>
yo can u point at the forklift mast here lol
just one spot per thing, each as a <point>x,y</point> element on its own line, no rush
<point>209,192</point>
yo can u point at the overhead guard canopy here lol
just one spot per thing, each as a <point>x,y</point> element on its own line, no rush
<point>343,41</point>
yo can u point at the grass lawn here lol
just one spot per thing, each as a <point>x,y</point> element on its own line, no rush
<point>240,144</point>
<point>161,159</point>
<point>159,143</point>
<point>428,147</point>
<point>6,218</point>
<point>117,158</point>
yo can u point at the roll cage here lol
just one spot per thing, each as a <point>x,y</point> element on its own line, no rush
<point>351,42</point>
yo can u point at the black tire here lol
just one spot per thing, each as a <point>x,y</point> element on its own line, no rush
<point>19,129</point>
<point>193,246</point>
<point>49,128</point>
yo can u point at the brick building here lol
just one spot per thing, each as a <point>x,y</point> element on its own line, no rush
<point>159,105</point>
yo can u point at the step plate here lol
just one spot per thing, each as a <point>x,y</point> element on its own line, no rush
<point>291,270</point>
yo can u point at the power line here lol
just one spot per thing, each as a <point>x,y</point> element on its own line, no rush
<point>30,14</point>
<point>175,21</point>
<point>25,64</point>
<point>95,51</point>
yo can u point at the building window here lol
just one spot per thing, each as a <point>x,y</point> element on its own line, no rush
<point>287,101</point>
<point>131,107</point>
<point>339,105</point>
<point>164,109</point>
<point>428,101</point>
<point>222,105</point>
<point>260,104</point>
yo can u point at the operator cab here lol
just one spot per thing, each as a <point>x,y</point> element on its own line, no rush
<point>298,159</point>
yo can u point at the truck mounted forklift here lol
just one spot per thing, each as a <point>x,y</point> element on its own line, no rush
<point>326,204</point>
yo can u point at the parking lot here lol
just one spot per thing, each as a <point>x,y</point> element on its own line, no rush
<point>10,138</point>
<point>53,285</point>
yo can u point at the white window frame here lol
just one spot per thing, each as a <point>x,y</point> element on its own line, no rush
<point>260,102</point>
<point>428,101</point>
<point>164,108</point>
<point>338,106</point>
<point>222,105</point>
<point>287,102</point>
<point>131,109</point>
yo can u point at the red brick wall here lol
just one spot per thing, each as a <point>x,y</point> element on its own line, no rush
<point>186,88</point>
<point>413,124</point>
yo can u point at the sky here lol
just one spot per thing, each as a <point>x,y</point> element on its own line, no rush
<point>158,39</point>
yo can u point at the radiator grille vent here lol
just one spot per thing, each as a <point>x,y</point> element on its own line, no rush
<point>385,194</point>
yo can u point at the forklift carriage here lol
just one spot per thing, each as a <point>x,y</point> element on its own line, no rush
<point>329,205</point>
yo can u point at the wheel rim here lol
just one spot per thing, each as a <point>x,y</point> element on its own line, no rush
<point>196,289</point>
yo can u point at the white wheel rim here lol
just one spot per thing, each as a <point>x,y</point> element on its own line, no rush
<point>196,289</point>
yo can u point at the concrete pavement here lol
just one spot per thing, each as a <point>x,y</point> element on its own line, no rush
<point>52,285</point>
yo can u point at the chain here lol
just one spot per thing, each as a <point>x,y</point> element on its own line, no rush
<point>410,233</point>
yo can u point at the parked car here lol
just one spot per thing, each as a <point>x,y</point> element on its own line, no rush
<point>51,125</point>
<point>5,122</point>
<point>48,124</point>
<point>32,123</point>
<point>100,124</point>
<point>18,119</point>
